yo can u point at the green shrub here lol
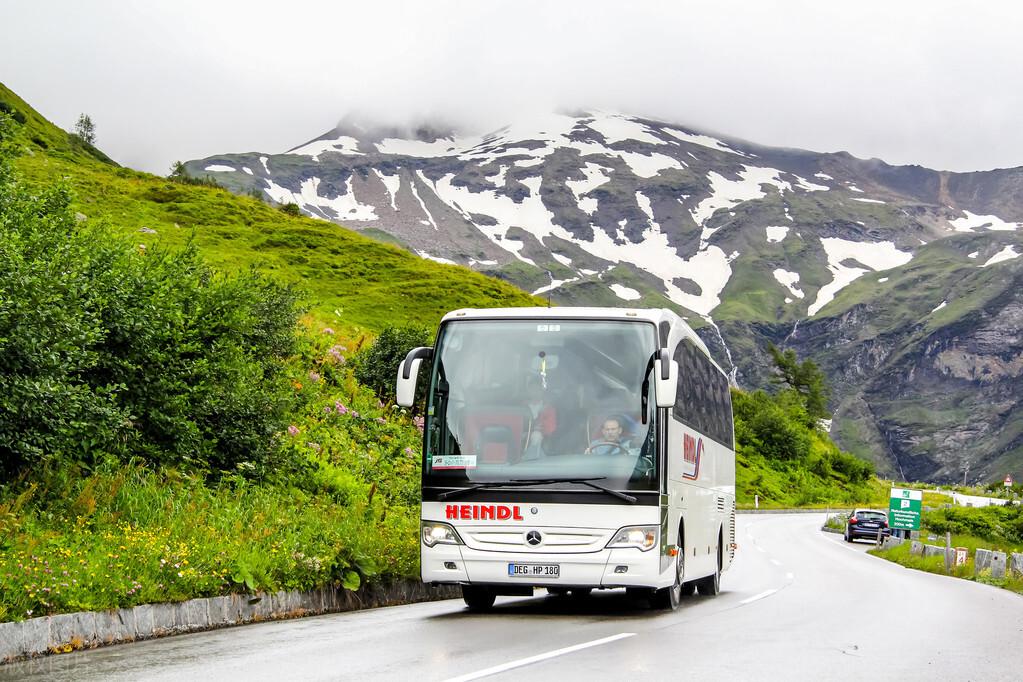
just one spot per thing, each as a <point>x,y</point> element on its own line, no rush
<point>762,423</point>
<point>994,523</point>
<point>12,112</point>
<point>377,365</point>
<point>855,469</point>
<point>106,348</point>
<point>291,209</point>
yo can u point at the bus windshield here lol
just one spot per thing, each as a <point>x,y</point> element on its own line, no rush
<point>514,400</point>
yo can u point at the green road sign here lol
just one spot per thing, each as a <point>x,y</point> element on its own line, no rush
<point>904,508</point>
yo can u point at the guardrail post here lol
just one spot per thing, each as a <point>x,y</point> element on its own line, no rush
<point>1016,565</point>
<point>997,564</point>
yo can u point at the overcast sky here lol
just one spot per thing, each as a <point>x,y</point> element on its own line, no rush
<point>933,82</point>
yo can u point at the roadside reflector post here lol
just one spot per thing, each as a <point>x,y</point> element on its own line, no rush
<point>948,551</point>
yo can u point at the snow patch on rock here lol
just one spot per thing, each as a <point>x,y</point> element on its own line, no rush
<point>702,140</point>
<point>725,193</point>
<point>392,183</point>
<point>808,186</point>
<point>789,280</point>
<point>435,259</point>
<point>554,285</point>
<point>616,128</point>
<point>340,145</point>
<point>625,293</point>
<point>875,255</point>
<point>345,206</point>
<point>1008,253</point>
<point>972,221</point>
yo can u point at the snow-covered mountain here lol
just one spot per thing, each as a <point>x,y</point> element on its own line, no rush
<point>863,266</point>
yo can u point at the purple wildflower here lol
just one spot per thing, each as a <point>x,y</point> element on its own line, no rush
<point>335,352</point>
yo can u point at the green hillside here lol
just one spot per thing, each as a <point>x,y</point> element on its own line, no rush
<point>349,279</point>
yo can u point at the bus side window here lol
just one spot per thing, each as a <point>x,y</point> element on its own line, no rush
<point>703,401</point>
<point>685,396</point>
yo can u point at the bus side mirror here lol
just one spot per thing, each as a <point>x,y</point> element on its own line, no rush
<point>408,370</point>
<point>665,379</point>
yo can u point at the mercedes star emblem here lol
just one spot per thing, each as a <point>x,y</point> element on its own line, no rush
<point>534,538</point>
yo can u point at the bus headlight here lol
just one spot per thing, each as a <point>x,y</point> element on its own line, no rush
<point>642,538</point>
<point>436,533</point>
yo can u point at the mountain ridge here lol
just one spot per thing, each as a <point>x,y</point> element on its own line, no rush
<point>753,244</point>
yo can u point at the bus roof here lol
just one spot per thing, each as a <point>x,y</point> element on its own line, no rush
<point>653,315</point>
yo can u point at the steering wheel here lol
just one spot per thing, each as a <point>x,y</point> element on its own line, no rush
<point>645,465</point>
<point>608,448</point>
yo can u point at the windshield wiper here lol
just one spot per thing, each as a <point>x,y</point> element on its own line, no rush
<point>479,486</point>
<point>539,481</point>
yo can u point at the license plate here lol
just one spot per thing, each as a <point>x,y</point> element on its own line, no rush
<point>534,570</point>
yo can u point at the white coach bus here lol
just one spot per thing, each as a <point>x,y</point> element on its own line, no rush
<point>574,449</point>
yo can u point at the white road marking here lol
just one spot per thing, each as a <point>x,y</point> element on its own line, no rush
<point>789,576</point>
<point>540,657</point>
<point>775,562</point>
<point>760,549</point>
<point>765,593</point>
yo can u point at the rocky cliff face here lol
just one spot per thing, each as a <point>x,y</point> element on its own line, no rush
<point>899,281</point>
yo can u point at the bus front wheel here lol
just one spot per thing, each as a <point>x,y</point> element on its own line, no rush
<point>478,598</point>
<point>668,598</point>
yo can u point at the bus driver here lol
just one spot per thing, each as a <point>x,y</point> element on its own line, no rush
<point>610,441</point>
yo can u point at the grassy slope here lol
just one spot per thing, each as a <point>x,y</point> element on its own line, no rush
<point>774,485</point>
<point>370,284</point>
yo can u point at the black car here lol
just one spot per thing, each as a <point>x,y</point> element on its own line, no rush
<point>864,523</point>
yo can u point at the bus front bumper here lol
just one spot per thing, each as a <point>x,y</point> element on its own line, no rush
<point>458,564</point>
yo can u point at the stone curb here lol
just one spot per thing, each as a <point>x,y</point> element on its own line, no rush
<point>86,630</point>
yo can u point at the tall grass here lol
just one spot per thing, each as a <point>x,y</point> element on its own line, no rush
<point>125,535</point>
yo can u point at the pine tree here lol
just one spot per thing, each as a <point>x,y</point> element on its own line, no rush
<point>86,129</point>
<point>805,378</point>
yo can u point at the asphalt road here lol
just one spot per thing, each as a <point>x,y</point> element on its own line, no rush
<point>798,604</point>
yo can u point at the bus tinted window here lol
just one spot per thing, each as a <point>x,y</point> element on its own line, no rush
<point>703,401</point>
